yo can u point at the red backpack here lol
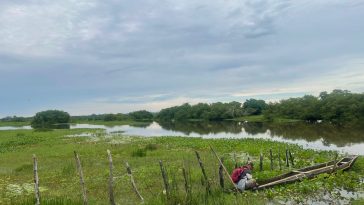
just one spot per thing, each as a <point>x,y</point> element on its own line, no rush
<point>237,172</point>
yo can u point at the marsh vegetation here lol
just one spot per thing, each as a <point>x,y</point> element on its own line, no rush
<point>59,181</point>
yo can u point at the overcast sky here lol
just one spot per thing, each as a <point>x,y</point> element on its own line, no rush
<point>97,56</point>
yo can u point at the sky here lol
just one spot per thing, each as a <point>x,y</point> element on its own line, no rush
<point>97,56</point>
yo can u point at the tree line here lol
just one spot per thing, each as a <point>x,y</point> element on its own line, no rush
<point>140,115</point>
<point>339,106</point>
<point>214,111</point>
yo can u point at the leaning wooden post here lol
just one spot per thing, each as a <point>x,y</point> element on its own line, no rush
<point>111,191</point>
<point>128,169</point>
<point>261,162</point>
<point>287,162</point>
<point>291,157</point>
<point>271,159</point>
<point>36,180</point>
<point>226,171</point>
<point>165,178</point>
<point>82,182</point>
<point>203,171</point>
<point>221,174</point>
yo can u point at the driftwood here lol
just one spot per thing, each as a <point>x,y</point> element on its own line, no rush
<point>128,169</point>
<point>165,178</point>
<point>36,180</point>
<point>111,191</point>
<point>226,171</point>
<point>203,171</point>
<point>82,181</point>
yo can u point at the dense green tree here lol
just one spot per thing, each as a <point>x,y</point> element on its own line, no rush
<point>254,107</point>
<point>141,115</point>
<point>49,118</point>
<point>339,106</point>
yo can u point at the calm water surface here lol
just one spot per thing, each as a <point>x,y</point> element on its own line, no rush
<point>315,136</point>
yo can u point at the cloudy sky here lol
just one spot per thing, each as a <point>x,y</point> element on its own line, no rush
<point>97,56</point>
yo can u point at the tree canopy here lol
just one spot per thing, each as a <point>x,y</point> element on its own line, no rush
<point>339,106</point>
<point>48,118</point>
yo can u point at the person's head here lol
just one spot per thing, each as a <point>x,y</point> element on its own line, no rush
<point>250,164</point>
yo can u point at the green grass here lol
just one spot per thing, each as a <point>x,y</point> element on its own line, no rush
<point>59,181</point>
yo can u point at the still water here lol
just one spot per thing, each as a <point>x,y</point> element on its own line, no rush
<point>315,136</point>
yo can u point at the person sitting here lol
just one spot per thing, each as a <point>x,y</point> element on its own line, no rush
<point>243,178</point>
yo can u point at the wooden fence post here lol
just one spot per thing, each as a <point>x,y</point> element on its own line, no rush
<point>221,174</point>
<point>165,178</point>
<point>291,157</point>
<point>128,169</point>
<point>226,171</point>
<point>287,161</point>
<point>280,160</point>
<point>111,191</point>
<point>82,182</point>
<point>36,180</point>
<point>236,162</point>
<point>261,162</point>
<point>203,171</point>
<point>271,159</point>
<point>335,163</point>
<point>185,178</point>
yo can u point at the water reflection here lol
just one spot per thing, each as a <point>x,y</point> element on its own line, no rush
<point>315,136</point>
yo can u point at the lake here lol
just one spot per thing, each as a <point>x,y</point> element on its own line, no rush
<point>315,136</point>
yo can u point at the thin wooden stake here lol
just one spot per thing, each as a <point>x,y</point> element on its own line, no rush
<point>280,160</point>
<point>184,172</point>
<point>82,182</point>
<point>128,169</point>
<point>203,171</point>
<point>36,180</point>
<point>261,162</point>
<point>291,157</point>
<point>287,161</point>
<point>236,162</point>
<point>271,159</point>
<point>165,178</point>
<point>221,174</point>
<point>111,191</point>
<point>226,171</point>
<point>335,165</point>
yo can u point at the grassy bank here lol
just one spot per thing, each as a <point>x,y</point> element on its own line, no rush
<point>17,124</point>
<point>111,123</point>
<point>59,181</point>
